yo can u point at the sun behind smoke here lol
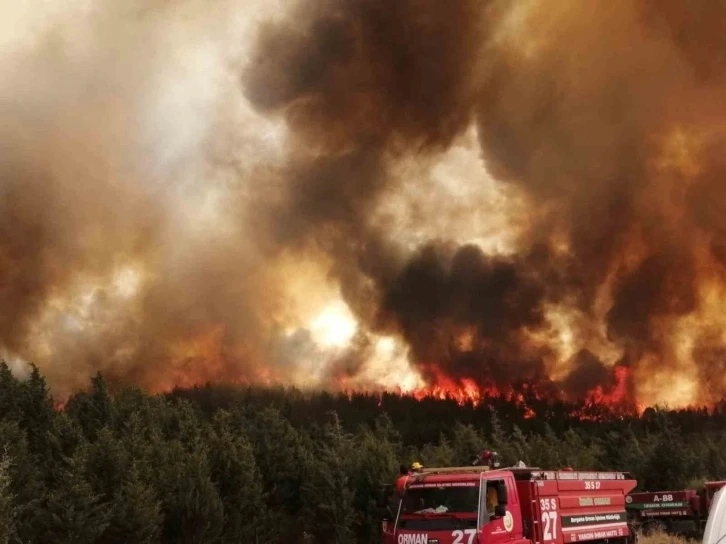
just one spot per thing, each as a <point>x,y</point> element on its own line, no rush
<point>335,326</point>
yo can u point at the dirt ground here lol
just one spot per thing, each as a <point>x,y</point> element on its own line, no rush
<point>665,538</point>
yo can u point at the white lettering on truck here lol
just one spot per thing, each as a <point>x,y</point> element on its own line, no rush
<point>592,535</point>
<point>549,518</point>
<point>459,536</point>
<point>664,498</point>
<point>413,539</point>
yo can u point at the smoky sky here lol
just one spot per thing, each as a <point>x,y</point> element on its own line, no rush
<point>605,119</point>
<point>576,104</point>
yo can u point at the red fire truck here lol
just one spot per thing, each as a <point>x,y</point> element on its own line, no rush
<point>682,512</point>
<point>478,504</point>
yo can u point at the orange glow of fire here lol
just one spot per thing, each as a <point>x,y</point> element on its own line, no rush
<point>617,399</point>
<point>528,398</point>
<point>617,395</point>
<point>597,403</point>
<point>466,390</point>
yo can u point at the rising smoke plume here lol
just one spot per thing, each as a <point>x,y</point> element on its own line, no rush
<point>497,191</point>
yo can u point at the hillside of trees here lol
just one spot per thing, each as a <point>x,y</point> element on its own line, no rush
<point>223,464</point>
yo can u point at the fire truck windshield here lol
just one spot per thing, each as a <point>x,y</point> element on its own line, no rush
<point>441,498</point>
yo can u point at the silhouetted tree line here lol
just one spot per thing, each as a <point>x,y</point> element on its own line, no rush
<point>223,464</point>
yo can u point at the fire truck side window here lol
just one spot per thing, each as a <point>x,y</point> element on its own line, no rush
<point>491,500</point>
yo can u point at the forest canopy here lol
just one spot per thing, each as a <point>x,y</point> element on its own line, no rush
<point>232,464</point>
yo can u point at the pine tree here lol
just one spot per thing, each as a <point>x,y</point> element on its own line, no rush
<point>107,463</point>
<point>36,409</point>
<point>71,512</point>
<point>545,450</point>
<point>329,496</point>
<point>136,513</point>
<point>466,443</point>
<point>577,454</point>
<point>93,410</point>
<point>441,454</point>
<point>283,459</point>
<point>9,394</point>
<point>194,513</point>
<point>235,474</point>
<point>7,506</point>
<point>24,476</point>
<point>375,461</point>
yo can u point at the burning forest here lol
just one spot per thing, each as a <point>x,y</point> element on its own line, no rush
<point>409,195</point>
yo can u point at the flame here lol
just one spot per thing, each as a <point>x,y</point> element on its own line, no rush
<point>597,406</point>
<point>599,403</point>
<point>617,395</point>
<point>463,390</point>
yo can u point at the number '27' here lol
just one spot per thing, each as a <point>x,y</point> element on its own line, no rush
<point>549,518</point>
<point>459,536</point>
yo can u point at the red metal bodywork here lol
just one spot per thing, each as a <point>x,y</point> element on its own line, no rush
<point>683,511</point>
<point>543,507</point>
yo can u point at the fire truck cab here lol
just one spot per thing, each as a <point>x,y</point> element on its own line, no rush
<point>478,505</point>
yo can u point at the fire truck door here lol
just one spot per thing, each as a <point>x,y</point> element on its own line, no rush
<point>495,527</point>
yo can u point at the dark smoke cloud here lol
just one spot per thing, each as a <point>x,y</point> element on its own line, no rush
<point>574,103</point>
<point>361,83</point>
<point>490,302</point>
<point>351,75</point>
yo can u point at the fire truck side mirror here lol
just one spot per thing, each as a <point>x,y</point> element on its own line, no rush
<point>385,513</point>
<point>500,510</point>
<point>384,495</point>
